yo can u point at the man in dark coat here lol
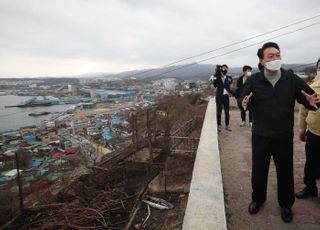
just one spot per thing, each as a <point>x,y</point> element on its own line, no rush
<point>222,82</point>
<point>240,82</point>
<point>272,94</point>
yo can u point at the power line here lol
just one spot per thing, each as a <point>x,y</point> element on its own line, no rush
<point>245,40</point>
<point>257,43</point>
<point>235,50</point>
<point>227,46</point>
<point>226,53</point>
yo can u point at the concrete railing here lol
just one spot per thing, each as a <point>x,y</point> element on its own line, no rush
<point>205,208</point>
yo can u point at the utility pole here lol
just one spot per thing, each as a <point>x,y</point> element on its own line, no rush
<point>19,182</point>
<point>149,137</point>
<point>136,130</point>
<point>133,128</point>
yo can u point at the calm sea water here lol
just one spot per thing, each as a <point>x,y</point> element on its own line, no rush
<point>13,118</point>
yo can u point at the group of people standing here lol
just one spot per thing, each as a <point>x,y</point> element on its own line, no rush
<point>270,95</point>
<point>222,82</point>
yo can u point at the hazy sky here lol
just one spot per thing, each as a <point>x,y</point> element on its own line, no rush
<point>70,37</point>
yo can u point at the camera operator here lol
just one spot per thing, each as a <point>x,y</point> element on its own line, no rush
<point>222,82</point>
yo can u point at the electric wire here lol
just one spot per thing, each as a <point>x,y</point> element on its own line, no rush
<point>232,51</point>
<point>225,46</point>
<point>229,52</point>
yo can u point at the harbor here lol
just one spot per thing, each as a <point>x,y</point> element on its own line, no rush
<point>15,117</point>
<point>36,102</point>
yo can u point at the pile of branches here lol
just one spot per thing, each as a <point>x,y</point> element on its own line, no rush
<point>108,210</point>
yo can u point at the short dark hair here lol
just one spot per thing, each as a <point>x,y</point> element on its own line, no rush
<point>318,62</point>
<point>265,46</point>
<point>246,67</point>
<point>260,66</point>
<point>225,65</point>
<point>259,53</point>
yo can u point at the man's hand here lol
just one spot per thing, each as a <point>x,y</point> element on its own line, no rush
<point>302,136</point>
<point>245,101</point>
<point>312,99</point>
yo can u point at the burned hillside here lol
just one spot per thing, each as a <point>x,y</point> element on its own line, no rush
<point>115,192</point>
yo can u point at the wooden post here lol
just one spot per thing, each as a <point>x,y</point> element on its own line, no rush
<point>133,128</point>
<point>136,130</point>
<point>19,183</point>
<point>165,176</point>
<point>149,137</point>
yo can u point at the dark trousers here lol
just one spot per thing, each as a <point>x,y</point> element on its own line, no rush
<point>282,152</point>
<point>223,100</point>
<point>312,166</point>
<point>243,112</point>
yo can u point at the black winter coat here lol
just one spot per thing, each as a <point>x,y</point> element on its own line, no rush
<point>239,86</point>
<point>220,85</point>
<point>273,107</point>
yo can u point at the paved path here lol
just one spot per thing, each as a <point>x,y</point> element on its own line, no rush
<point>235,150</point>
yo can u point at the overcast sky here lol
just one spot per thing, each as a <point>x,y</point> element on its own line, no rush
<point>71,37</point>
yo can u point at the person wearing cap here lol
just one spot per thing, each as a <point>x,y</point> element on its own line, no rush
<point>272,93</point>
<point>309,131</point>
<point>240,82</point>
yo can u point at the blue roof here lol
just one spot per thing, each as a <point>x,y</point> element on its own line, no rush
<point>116,120</point>
<point>99,124</point>
<point>36,163</point>
<point>43,171</point>
<point>106,134</point>
<point>29,138</point>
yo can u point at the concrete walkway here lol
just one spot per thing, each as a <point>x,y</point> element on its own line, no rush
<point>235,152</point>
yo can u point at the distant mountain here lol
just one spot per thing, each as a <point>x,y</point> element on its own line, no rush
<point>183,72</point>
<point>191,71</point>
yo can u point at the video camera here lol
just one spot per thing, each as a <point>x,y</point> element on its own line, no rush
<point>221,70</point>
<point>218,71</point>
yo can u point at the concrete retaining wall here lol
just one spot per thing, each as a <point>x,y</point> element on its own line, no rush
<point>205,208</point>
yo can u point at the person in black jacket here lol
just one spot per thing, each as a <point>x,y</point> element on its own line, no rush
<point>222,82</point>
<point>272,94</point>
<point>246,74</point>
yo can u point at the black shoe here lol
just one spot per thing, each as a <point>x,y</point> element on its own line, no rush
<point>286,214</point>
<point>306,192</point>
<point>254,207</point>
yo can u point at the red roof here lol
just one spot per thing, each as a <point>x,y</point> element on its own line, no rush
<point>58,155</point>
<point>71,150</point>
<point>24,144</point>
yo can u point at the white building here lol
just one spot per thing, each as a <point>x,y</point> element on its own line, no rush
<point>167,83</point>
<point>73,90</point>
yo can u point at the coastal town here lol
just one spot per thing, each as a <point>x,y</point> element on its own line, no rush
<point>100,128</point>
<point>116,145</point>
<point>159,115</point>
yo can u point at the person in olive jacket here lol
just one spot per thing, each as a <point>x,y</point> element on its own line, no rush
<point>309,131</point>
<point>272,94</point>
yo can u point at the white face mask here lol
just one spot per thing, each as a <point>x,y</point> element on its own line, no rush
<point>273,65</point>
<point>248,74</point>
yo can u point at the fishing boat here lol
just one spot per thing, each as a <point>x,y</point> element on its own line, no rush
<point>38,114</point>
